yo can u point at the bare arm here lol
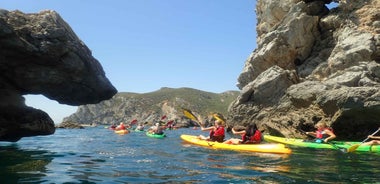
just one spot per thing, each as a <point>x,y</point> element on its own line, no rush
<point>311,133</point>
<point>374,137</point>
<point>331,136</point>
<point>206,129</point>
<point>238,132</point>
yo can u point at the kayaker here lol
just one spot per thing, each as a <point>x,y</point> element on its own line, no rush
<point>217,132</point>
<point>251,135</point>
<point>156,129</point>
<point>323,133</point>
<point>140,127</point>
<point>373,142</point>
<point>120,126</point>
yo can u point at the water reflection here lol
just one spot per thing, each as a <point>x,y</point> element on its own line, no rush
<point>332,166</point>
<point>17,164</point>
<point>237,167</point>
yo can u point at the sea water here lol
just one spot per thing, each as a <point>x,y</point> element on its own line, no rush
<point>98,155</point>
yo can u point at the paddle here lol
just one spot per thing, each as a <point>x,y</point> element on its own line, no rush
<point>219,117</point>
<point>191,116</point>
<point>355,146</point>
<point>133,122</point>
<point>163,117</point>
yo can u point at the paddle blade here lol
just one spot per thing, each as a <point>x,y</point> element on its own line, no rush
<point>133,122</point>
<point>163,117</point>
<point>170,122</point>
<point>189,114</point>
<point>353,148</point>
<point>219,117</point>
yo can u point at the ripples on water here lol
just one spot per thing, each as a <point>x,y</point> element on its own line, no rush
<point>97,155</point>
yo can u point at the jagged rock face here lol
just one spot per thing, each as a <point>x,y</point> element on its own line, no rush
<point>311,65</point>
<point>40,54</point>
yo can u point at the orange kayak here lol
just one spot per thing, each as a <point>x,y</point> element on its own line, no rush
<point>121,132</point>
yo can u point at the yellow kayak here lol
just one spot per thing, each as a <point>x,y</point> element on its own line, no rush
<point>264,148</point>
<point>121,132</point>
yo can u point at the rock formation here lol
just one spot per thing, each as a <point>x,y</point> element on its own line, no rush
<point>312,64</point>
<point>40,54</point>
<point>70,125</point>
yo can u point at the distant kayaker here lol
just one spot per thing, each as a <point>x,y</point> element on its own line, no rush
<point>323,133</point>
<point>217,132</point>
<point>251,135</point>
<point>156,129</point>
<point>120,126</point>
<point>140,127</point>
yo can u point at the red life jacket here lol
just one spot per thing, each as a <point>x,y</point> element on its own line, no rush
<point>321,134</point>
<point>218,134</point>
<point>253,139</point>
<point>121,127</point>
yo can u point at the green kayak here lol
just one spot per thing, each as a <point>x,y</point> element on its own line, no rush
<point>341,145</point>
<point>158,136</point>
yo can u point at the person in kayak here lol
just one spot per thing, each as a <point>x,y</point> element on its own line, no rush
<point>323,133</point>
<point>156,129</point>
<point>373,142</point>
<point>140,127</point>
<point>216,132</point>
<point>120,127</point>
<point>251,135</point>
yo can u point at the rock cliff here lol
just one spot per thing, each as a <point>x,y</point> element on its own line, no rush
<point>312,64</point>
<point>40,54</point>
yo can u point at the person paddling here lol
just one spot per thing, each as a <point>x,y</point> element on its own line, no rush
<point>140,127</point>
<point>251,135</point>
<point>376,140</point>
<point>370,143</point>
<point>217,132</point>
<point>120,127</point>
<point>156,129</point>
<point>323,133</point>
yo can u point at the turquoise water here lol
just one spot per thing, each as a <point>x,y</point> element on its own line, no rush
<point>97,155</point>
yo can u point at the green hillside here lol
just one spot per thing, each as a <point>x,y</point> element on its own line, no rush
<point>126,106</point>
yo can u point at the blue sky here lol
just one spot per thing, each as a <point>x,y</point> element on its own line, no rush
<point>144,45</point>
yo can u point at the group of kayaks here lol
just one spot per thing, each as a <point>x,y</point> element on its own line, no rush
<point>272,144</point>
<point>282,145</point>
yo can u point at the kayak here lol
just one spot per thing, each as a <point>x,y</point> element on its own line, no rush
<point>342,145</point>
<point>121,132</point>
<point>136,130</point>
<point>158,136</point>
<point>264,148</point>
